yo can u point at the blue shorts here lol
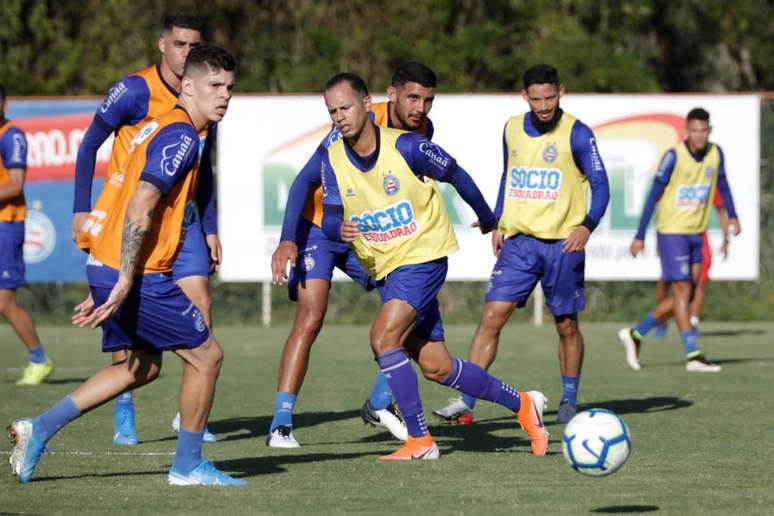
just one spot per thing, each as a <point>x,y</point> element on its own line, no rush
<point>11,255</point>
<point>677,254</point>
<point>419,285</point>
<point>193,259</point>
<point>317,256</point>
<point>524,260</point>
<point>156,316</point>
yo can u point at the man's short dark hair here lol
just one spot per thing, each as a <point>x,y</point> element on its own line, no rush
<point>541,74</point>
<point>412,71</point>
<point>698,114</point>
<point>355,81</point>
<point>182,20</point>
<point>215,58</point>
<point>2,93</point>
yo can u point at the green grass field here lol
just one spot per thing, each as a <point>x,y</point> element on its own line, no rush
<point>701,443</point>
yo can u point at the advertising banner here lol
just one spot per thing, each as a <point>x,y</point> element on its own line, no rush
<point>265,140</point>
<point>54,130</point>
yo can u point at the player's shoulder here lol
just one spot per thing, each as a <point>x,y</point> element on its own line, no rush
<point>11,132</point>
<point>125,91</point>
<point>515,121</point>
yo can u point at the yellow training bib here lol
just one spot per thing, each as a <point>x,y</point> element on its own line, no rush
<point>545,193</point>
<point>402,219</point>
<point>684,207</point>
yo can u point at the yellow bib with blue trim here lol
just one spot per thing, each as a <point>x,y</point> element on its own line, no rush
<point>545,193</point>
<point>402,219</point>
<point>684,207</point>
<point>15,208</point>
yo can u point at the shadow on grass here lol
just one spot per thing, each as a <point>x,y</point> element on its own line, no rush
<point>57,381</point>
<point>249,427</point>
<point>100,475</point>
<point>639,406</point>
<point>266,465</point>
<point>733,333</point>
<point>626,509</point>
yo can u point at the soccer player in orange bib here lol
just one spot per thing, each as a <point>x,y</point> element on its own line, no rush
<point>130,104</point>
<point>381,197</point>
<point>13,210</point>
<point>133,245</point>
<point>411,97</point>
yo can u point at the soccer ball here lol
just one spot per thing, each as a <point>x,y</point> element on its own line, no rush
<point>596,442</point>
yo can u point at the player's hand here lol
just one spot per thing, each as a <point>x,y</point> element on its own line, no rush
<point>497,242</point>
<point>106,310</point>
<point>636,247</point>
<point>79,219</point>
<point>83,309</point>
<point>733,227</point>
<point>216,252</point>
<point>724,249</point>
<point>287,251</point>
<point>484,228</point>
<point>576,242</point>
<point>349,231</point>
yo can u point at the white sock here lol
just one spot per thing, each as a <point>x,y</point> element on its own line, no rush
<point>694,321</point>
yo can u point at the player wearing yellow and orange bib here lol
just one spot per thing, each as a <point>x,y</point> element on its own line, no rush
<point>129,106</point>
<point>139,306</point>
<point>686,182</point>
<point>13,210</point>
<point>313,256</point>
<point>381,197</point>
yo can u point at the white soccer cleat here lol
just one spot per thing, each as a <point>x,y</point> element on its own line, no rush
<point>282,437</point>
<point>388,418</point>
<point>700,364</point>
<point>632,348</point>
<point>207,437</point>
<point>456,412</point>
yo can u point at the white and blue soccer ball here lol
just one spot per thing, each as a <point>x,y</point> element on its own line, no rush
<point>596,442</point>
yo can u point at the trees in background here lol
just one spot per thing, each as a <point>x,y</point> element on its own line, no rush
<point>50,47</point>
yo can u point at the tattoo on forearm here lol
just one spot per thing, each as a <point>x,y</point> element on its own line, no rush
<point>136,230</point>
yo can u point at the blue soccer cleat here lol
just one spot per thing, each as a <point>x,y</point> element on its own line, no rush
<point>205,474</point>
<point>207,437</point>
<point>566,412</point>
<point>27,449</point>
<point>125,434</point>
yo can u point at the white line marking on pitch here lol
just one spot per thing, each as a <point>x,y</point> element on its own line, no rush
<point>132,454</point>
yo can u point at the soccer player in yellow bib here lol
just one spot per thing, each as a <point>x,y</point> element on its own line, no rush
<point>686,181</point>
<point>13,211</point>
<point>549,161</point>
<point>140,307</point>
<point>380,195</point>
<point>411,95</point>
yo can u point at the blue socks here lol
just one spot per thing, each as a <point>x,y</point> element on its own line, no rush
<point>400,375</point>
<point>188,453</point>
<point>688,340</point>
<point>52,420</point>
<point>570,389</point>
<point>381,394</point>
<point>469,400</point>
<point>37,355</point>
<point>125,401</point>
<point>283,410</point>
<point>472,380</point>
<point>646,324</point>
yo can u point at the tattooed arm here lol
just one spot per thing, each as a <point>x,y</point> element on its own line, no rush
<point>137,226</point>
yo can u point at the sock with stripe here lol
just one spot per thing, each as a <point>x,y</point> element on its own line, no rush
<point>472,380</point>
<point>400,375</point>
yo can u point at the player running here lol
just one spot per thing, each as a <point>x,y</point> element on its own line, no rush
<point>140,308</point>
<point>411,97</point>
<point>129,105</point>
<point>550,159</point>
<point>687,178</point>
<point>697,303</point>
<point>380,196</point>
<point>13,210</point>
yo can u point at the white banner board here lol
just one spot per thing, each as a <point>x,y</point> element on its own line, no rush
<point>265,140</point>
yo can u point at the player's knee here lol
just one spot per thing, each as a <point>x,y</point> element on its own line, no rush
<point>567,328</point>
<point>6,306</point>
<point>310,319</point>
<point>212,359</point>
<point>382,341</point>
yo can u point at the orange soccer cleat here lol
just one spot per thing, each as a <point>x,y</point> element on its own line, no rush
<point>416,448</point>
<point>530,418</point>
